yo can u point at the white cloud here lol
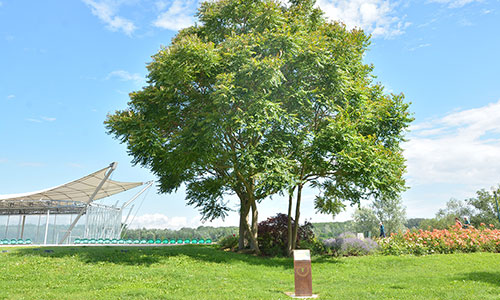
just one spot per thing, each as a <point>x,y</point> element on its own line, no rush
<point>11,96</point>
<point>48,119</point>
<point>31,164</point>
<point>158,220</point>
<point>377,17</point>
<point>462,147</point>
<point>41,119</point>
<point>420,46</point>
<point>126,76</point>
<point>160,5</point>
<point>106,12</point>
<point>455,3</point>
<point>179,14</point>
<point>33,120</point>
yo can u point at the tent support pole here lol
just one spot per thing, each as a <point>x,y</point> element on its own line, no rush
<point>54,229</point>
<point>19,226</point>
<point>70,221</point>
<point>125,223</point>
<point>22,228</point>
<point>38,227</point>
<point>7,227</point>
<point>46,227</point>
<point>149,184</point>
<point>112,168</point>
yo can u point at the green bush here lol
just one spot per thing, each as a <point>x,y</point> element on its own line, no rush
<point>316,246</point>
<point>229,242</point>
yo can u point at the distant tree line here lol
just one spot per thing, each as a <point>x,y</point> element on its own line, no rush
<point>480,209</point>
<point>202,232</point>
<point>328,230</point>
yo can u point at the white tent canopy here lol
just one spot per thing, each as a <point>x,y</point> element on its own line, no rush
<point>74,194</point>
<point>74,197</point>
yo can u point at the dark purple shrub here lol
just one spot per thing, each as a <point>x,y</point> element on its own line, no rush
<point>273,235</point>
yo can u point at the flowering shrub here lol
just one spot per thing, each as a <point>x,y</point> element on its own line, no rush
<point>348,245</point>
<point>456,239</point>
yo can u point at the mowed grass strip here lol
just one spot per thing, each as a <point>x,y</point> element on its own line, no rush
<point>203,272</point>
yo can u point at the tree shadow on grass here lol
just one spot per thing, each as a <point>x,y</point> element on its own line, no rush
<point>492,278</point>
<point>146,256</point>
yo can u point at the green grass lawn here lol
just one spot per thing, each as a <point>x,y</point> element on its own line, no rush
<point>202,272</point>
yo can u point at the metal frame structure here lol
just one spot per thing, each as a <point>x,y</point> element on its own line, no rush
<point>74,198</point>
<point>103,222</point>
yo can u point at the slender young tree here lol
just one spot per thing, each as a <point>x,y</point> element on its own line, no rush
<point>344,132</point>
<point>366,221</point>
<point>392,213</point>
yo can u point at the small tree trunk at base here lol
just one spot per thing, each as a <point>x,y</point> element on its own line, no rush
<point>289,224</point>
<point>297,216</point>
<point>255,222</point>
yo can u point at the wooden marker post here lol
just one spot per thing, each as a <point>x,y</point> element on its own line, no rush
<point>302,268</point>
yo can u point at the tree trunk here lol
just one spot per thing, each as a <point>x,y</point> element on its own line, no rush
<point>243,231</point>
<point>297,216</point>
<point>254,244</point>
<point>289,223</point>
<point>255,221</point>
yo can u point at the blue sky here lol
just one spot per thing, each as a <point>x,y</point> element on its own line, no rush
<point>64,65</point>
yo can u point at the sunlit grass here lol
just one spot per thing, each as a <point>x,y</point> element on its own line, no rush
<point>202,272</point>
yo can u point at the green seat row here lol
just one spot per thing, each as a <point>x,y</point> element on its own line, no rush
<point>129,241</point>
<point>15,242</point>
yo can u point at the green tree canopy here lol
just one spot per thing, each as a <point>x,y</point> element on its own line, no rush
<point>484,207</point>
<point>366,221</point>
<point>258,98</point>
<point>389,211</point>
<point>392,213</point>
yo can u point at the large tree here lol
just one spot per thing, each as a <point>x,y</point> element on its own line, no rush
<point>260,98</point>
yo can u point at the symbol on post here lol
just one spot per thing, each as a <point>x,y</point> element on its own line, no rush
<point>302,272</point>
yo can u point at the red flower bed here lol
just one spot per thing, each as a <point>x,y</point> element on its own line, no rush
<point>455,239</point>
